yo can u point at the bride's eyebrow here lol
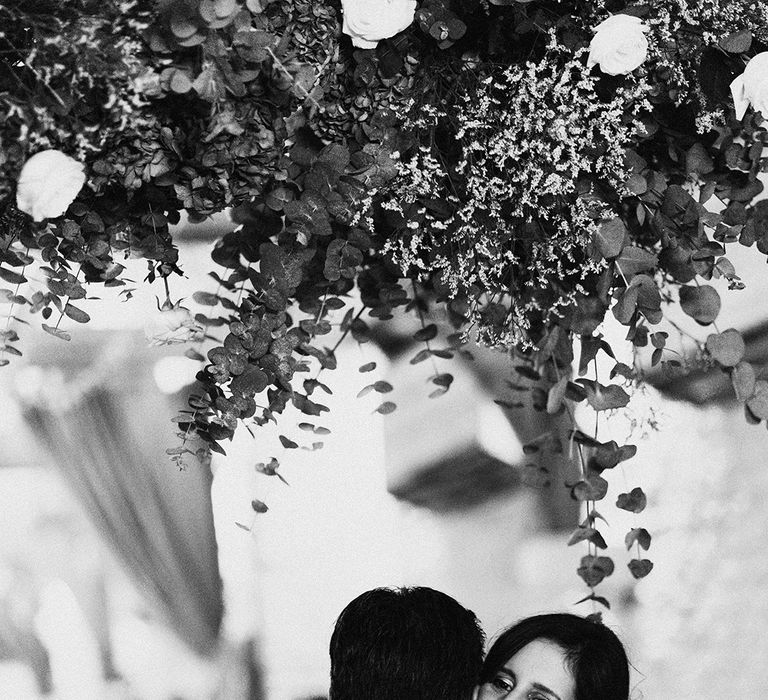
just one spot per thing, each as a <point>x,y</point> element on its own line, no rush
<point>544,689</point>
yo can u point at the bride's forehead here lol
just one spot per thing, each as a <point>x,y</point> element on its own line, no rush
<point>542,662</point>
<point>540,649</point>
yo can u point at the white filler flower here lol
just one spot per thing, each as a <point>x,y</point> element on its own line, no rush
<point>48,184</point>
<point>751,87</point>
<point>619,45</point>
<point>370,21</point>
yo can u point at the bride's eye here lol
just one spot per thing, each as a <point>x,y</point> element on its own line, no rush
<point>504,683</point>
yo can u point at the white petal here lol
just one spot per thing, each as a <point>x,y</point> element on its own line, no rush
<point>369,21</point>
<point>48,184</point>
<point>740,101</point>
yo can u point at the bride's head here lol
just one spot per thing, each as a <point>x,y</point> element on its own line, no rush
<point>555,657</point>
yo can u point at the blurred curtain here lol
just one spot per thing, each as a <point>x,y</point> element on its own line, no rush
<point>158,520</point>
<point>242,676</point>
<point>18,640</point>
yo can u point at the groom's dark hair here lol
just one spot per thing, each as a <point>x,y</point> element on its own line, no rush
<point>405,644</point>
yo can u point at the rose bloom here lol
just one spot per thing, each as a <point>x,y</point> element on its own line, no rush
<point>171,324</point>
<point>370,21</point>
<point>48,183</point>
<point>619,45</point>
<point>751,87</point>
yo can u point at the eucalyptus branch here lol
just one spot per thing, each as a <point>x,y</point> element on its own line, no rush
<point>66,299</point>
<point>9,317</point>
<point>343,337</point>
<point>423,326</point>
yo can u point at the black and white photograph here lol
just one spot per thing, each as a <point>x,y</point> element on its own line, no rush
<point>383,349</point>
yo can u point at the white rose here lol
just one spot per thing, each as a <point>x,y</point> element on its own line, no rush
<point>751,87</point>
<point>48,184</point>
<point>173,323</point>
<point>619,45</point>
<point>370,21</point>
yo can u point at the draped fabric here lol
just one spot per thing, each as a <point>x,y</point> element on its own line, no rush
<point>109,438</point>
<point>18,642</point>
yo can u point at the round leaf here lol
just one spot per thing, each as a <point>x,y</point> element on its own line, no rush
<point>251,381</point>
<point>697,160</point>
<point>180,82</point>
<point>743,380</point>
<point>592,490</point>
<point>700,303</point>
<point>639,535</point>
<point>727,347</point>
<point>594,569</point>
<point>634,501</point>
<point>638,185</point>
<point>633,260</point>
<point>259,506</point>
<point>182,27</point>
<point>758,402</point>
<point>604,398</point>
<point>737,42</point>
<point>610,237</point>
<point>640,568</point>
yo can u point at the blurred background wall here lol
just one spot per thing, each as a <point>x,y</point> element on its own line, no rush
<point>178,589</point>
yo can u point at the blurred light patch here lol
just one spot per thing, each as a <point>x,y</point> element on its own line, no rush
<point>496,434</point>
<point>173,373</point>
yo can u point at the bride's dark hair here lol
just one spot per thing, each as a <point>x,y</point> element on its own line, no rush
<point>594,654</point>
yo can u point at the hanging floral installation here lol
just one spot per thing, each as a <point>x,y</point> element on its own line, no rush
<point>519,170</point>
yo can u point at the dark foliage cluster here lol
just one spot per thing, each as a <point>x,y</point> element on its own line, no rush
<point>361,187</point>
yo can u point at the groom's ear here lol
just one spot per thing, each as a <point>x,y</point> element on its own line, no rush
<point>476,692</point>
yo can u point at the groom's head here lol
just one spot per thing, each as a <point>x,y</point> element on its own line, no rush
<point>405,644</point>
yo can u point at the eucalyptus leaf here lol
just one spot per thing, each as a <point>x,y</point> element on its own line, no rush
<point>604,398</point>
<point>736,42</point>
<point>259,506</point>
<point>634,260</point>
<point>427,333</point>
<point>743,378</point>
<point>727,348</point>
<point>592,489</point>
<point>11,276</point>
<point>205,298</point>
<point>56,332</point>
<point>556,395</point>
<point>594,569</point>
<point>700,303</point>
<point>610,237</point>
<point>251,381</point>
<point>638,535</point>
<point>640,568</point>
<point>76,314</point>
<point>634,501</point>
<point>757,403</point>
